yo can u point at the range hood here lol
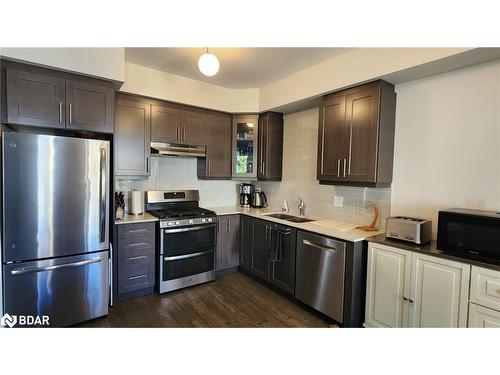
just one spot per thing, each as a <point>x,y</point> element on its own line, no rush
<point>171,149</point>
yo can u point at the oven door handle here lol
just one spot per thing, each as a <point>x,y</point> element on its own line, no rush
<point>179,257</point>
<point>180,230</point>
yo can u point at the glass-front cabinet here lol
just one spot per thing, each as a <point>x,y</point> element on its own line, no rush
<point>245,135</point>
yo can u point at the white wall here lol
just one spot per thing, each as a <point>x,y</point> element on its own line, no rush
<point>107,63</point>
<point>447,143</point>
<point>155,83</point>
<point>350,68</point>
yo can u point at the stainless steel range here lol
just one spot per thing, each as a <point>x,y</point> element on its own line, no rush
<point>188,237</point>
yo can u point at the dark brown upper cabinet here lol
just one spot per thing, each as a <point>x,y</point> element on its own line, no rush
<point>166,124</point>
<point>217,164</point>
<point>48,98</point>
<point>35,99</point>
<point>173,124</point>
<point>194,128</point>
<point>270,147</point>
<point>132,137</point>
<point>356,136</point>
<point>89,106</point>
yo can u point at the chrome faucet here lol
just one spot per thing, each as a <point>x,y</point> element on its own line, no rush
<point>301,206</point>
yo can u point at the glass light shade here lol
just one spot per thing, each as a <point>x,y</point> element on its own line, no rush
<point>208,64</point>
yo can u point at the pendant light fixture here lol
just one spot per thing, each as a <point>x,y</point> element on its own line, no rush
<point>208,64</point>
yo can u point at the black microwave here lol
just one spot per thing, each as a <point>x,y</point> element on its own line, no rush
<point>470,233</point>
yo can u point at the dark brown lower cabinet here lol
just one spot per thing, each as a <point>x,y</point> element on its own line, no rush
<point>261,244</point>
<point>228,240</point>
<point>282,272</point>
<point>245,241</point>
<point>257,243</point>
<point>134,260</point>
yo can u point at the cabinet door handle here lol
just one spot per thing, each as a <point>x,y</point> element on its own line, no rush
<point>183,134</point>
<point>263,167</point>
<point>405,299</point>
<point>137,277</point>
<point>70,113</point>
<point>137,230</point>
<point>338,168</point>
<point>60,113</point>
<point>137,244</point>
<point>209,167</point>
<point>229,226</point>
<point>137,257</point>
<point>345,162</point>
<point>177,136</point>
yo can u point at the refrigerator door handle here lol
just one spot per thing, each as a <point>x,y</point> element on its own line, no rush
<point>102,197</point>
<point>25,270</point>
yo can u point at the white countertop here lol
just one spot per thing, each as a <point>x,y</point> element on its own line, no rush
<point>142,218</point>
<point>353,235</point>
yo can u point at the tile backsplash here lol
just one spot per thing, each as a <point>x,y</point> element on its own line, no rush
<point>171,173</point>
<point>299,179</point>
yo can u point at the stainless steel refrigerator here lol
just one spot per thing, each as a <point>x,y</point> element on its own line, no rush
<point>55,226</point>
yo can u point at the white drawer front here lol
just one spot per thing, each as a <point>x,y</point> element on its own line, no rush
<point>485,287</point>
<point>482,317</point>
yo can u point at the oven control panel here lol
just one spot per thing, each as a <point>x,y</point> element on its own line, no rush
<point>186,222</point>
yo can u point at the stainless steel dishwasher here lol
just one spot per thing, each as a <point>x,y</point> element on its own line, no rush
<point>320,274</point>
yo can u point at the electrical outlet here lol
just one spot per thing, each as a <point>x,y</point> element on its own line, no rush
<point>338,201</point>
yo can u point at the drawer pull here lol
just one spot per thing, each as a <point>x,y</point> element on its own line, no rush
<point>137,257</point>
<point>137,277</point>
<point>137,244</point>
<point>137,230</point>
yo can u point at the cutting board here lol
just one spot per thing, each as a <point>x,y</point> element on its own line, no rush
<point>334,224</point>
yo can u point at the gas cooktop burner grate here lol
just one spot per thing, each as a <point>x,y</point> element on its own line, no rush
<point>180,213</point>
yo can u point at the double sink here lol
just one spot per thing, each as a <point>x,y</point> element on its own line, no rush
<point>291,218</point>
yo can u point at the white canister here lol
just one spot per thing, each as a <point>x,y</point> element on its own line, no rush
<point>136,202</point>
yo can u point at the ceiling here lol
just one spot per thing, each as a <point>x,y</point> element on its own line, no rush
<point>239,67</point>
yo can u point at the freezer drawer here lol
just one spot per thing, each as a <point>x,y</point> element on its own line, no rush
<point>320,274</point>
<point>69,290</point>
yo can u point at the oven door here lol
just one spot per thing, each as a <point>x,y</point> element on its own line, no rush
<point>187,256</point>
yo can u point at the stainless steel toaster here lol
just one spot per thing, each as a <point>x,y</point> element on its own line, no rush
<point>409,229</point>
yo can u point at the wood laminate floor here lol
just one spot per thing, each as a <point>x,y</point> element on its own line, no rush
<point>233,300</point>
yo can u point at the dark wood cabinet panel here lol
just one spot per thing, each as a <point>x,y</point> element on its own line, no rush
<point>89,106</point>
<point>132,138</point>
<point>282,272</point>
<point>228,242</point>
<point>166,124</point>
<point>259,259</point>
<point>217,164</point>
<point>362,121</point>
<point>246,235</point>
<point>193,128</point>
<point>270,146</point>
<point>332,139</point>
<point>356,135</point>
<point>35,99</point>
<point>134,259</point>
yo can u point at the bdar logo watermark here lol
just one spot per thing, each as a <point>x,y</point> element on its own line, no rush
<point>23,320</point>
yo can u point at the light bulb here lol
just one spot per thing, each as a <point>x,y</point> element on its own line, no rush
<point>208,64</point>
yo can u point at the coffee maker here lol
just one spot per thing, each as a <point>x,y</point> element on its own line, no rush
<point>245,194</point>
